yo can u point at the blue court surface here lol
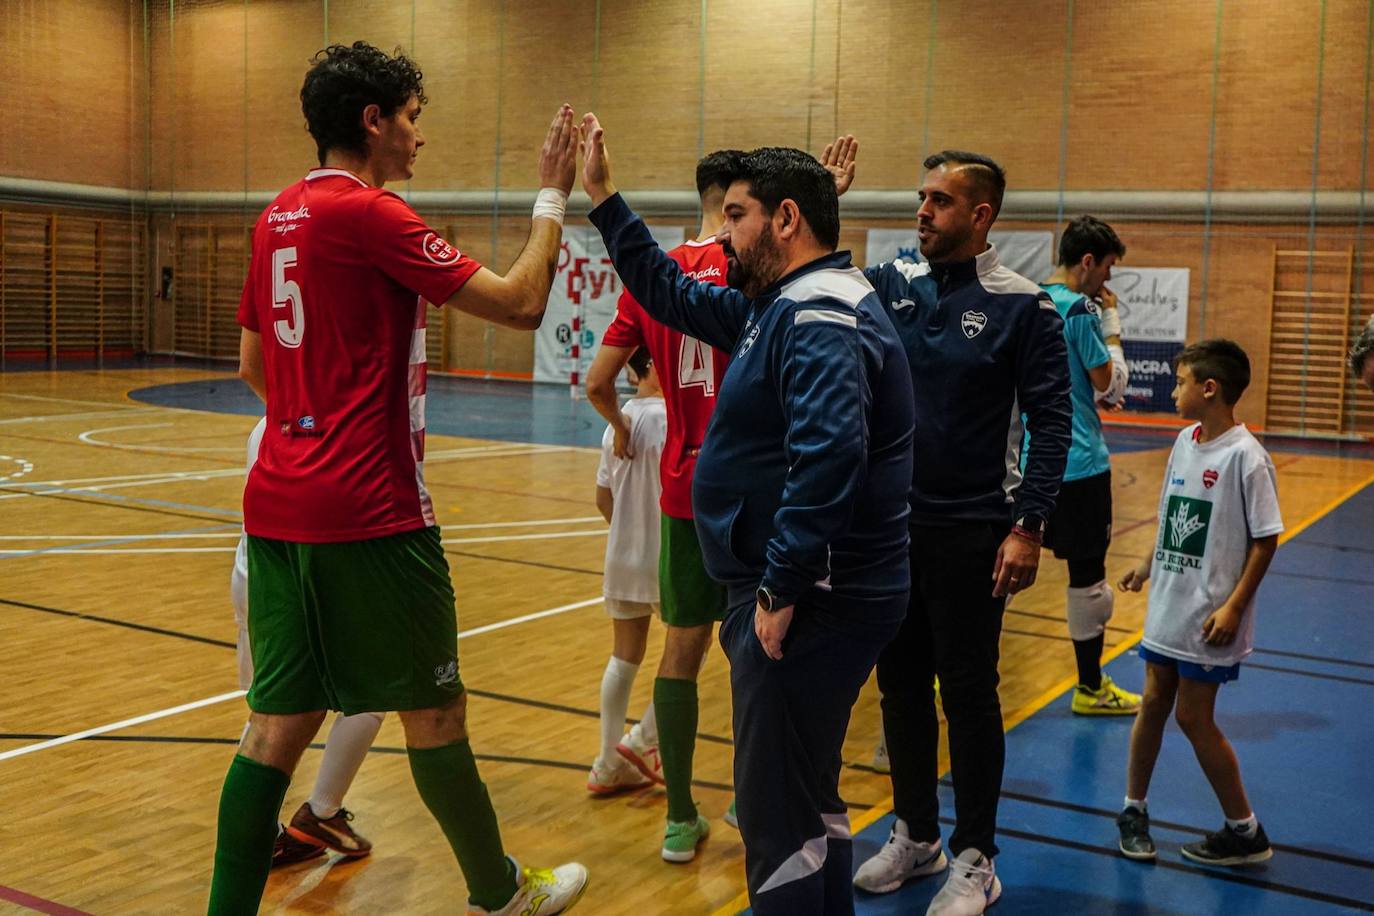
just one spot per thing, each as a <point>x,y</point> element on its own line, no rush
<point>1300,720</point>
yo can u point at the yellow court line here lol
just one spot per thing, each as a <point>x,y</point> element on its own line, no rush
<point>884,807</point>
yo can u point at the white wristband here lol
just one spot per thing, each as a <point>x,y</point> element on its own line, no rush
<point>1111,323</point>
<point>550,204</point>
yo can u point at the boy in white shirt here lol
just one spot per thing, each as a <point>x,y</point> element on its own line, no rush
<point>1218,529</point>
<point>627,494</point>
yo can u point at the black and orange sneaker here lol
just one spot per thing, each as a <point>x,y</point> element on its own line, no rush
<point>288,850</point>
<point>333,832</point>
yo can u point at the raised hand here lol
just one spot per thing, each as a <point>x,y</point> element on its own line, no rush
<point>596,164</point>
<point>558,158</point>
<point>838,160</point>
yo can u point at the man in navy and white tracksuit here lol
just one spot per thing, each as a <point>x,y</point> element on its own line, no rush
<point>799,497</point>
<point>986,345</point>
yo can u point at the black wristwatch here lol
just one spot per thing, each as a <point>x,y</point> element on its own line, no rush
<point>767,600</point>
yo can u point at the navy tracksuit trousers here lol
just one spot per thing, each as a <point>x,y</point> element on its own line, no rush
<point>790,718</point>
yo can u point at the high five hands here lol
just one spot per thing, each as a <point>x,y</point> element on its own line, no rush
<point>838,159</point>
<point>596,164</point>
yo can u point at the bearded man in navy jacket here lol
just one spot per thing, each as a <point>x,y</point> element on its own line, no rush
<point>800,495</point>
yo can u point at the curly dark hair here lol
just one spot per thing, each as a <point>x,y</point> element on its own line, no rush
<point>345,79</point>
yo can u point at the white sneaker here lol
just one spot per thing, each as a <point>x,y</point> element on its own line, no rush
<point>546,891</point>
<point>642,754</point>
<point>615,775</point>
<point>972,887</point>
<point>900,860</point>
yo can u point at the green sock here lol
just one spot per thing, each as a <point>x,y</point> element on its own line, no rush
<point>248,809</point>
<point>675,707</point>
<point>454,793</point>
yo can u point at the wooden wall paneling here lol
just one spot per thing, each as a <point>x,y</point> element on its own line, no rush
<point>880,90</point>
<point>282,37</point>
<point>1343,114</point>
<point>60,128</point>
<point>547,60</point>
<point>1265,111</point>
<point>759,73</point>
<point>998,89</point>
<point>459,47</point>
<point>1139,116</point>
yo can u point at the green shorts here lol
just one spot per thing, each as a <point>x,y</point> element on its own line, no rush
<point>360,626</point>
<point>687,596</point>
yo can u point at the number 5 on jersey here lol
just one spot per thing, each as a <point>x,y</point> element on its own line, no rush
<point>286,293</point>
<point>696,366</point>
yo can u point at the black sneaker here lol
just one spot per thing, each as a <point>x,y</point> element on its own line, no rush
<point>1135,842</point>
<point>1227,847</point>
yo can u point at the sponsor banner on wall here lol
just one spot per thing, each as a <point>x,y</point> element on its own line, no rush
<point>584,271</point>
<point>1154,327</point>
<point>1030,254</point>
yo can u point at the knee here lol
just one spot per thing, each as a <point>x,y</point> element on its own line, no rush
<point>1088,610</point>
<point>1156,706</point>
<point>437,726</point>
<point>1194,722</point>
<point>279,740</point>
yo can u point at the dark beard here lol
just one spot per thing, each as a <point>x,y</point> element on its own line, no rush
<point>938,247</point>
<point>751,274</point>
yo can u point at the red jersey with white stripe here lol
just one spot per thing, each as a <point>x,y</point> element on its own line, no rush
<point>688,370</point>
<point>337,286</point>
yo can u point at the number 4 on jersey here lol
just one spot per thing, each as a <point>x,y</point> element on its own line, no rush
<point>696,366</point>
<point>287,294</point>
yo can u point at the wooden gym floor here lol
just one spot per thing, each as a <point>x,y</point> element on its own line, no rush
<point>118,708</point>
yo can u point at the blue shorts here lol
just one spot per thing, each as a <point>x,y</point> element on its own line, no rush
<point>1212,674</point>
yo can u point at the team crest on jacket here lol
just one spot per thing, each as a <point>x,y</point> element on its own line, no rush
<point>973,323</point>
<point>1209,478</point>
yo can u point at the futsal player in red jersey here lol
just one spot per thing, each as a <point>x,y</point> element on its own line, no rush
<point>689,372</point>
<point>353,608</point>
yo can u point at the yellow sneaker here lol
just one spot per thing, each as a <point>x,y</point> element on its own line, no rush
<point>1107,700</point>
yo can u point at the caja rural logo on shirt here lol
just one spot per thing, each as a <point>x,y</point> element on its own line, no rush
<point>1185,533</point>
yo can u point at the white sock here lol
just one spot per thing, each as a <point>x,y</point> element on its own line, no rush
<point>615,701</point>
<point>1246,826</point>
<point>1138,804</point>
<point>348,743</point>
<point>648,725</point>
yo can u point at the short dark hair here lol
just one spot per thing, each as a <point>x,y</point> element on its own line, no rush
<point>639,361</point>
<point>718,170</point>
<point>989,178</point>
<point>345,79</point>
<point>1088,235</point>
<point>1221,360</point>
<point>778,173</point>
<point>1360,350</point>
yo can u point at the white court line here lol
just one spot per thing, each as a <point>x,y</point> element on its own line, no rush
<point>537,615</point>
<point>235,694</point>
<point>82,415</point>
<point>169,478</point>
<point>235,534</point>
<point>59,551</point>
<point>107,404</point>
<point>124,723</point>
<point>88,437</point>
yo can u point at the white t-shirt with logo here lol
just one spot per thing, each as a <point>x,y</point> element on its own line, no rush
<point>632,547</point>
<point>1217,496</point>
